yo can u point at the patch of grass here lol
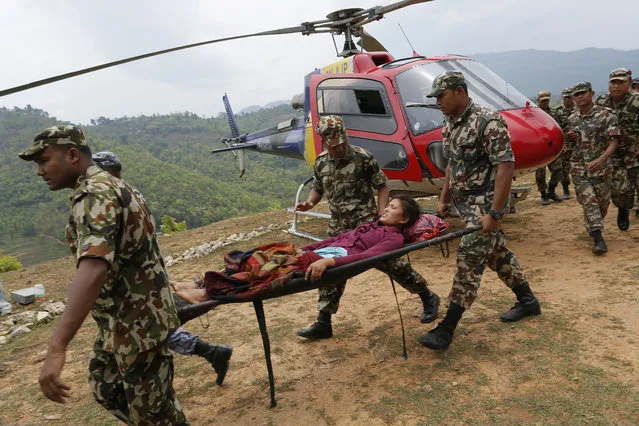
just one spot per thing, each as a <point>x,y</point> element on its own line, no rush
<point>550,350</point>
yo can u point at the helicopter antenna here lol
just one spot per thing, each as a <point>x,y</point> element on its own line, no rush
<point>409,43</point>
<point>335,44</point>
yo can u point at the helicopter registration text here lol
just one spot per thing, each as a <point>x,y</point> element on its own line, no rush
<point>343,66</point>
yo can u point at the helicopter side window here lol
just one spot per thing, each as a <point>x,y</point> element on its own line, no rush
<point>389,155</point>
<point>362,103</point>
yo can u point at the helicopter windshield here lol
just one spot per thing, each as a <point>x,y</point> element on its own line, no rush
<point>484,86</point>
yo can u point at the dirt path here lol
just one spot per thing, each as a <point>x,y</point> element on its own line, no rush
<point>577,363</point>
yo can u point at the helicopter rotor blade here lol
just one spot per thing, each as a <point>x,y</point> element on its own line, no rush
<point>370,43</point>
<point>352,22</point>
<point>306,28</point>
<point>377,13</point>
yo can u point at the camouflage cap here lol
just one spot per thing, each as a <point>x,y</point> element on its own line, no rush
<point>567,92</point>
<point>107,159</point>
<point>635,81</point>
<point>332,131</point>
<point>447,80</point>
<point>543,96</point>
<point>622,74</point>
<point>582,86</point>
<point>56,135</point>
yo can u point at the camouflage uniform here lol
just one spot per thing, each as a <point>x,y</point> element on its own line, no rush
<point>594,131</point>
<point>131,372</point>
<point>561,114</point>
<point>473,157</point>
<point>555,167</point>
<point>349,185</point>
<point>625,160</point>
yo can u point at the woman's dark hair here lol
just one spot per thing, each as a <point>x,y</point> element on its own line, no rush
<point>409,207</point>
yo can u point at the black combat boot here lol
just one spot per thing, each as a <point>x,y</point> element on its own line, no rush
<point>217,355</point>
<point>544,199</point>
<point>527,305</point>
<point>321,329</point>
<point>551,194</point>
<point>566,192</point>
<point>431,305</point>
<point>440,337</point>
<point>600,245</point>
<point>623,218</point>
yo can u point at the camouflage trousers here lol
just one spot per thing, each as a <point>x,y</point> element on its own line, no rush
<point>565,164</point>
<point>594,196</point>
<point>136,388</point>
<point>398,269</point>
<point>478,250</point>
<point>624,184</point>
<point>556,175</point>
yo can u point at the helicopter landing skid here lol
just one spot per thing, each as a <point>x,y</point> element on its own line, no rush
<point>293,229</point>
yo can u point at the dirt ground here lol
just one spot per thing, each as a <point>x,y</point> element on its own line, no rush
<point>577,363</point>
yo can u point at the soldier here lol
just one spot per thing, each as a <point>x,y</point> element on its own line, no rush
<point>180,340</point>
<point>635,85</point>
<point>348,176</point>
<point>593,135</point>
<point>121,278</point>
<point>548,192</point>
<point>561,114</point>
<point>478,179</point>
<point>625,160</point>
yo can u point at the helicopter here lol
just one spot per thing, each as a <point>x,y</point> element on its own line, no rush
<point>383,103</point>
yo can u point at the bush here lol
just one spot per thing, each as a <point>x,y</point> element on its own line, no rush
<point>169,225</point>
<point>9,263</point>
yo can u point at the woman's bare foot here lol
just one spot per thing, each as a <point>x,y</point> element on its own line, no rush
<point>197,295</point>
<point>182,286</point>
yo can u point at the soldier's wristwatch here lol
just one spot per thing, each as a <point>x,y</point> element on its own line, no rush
<point>496,214</point>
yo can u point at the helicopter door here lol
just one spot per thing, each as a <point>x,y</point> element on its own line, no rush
<point>370,118</point>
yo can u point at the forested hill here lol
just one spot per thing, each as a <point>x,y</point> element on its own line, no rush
<point>167,157</point>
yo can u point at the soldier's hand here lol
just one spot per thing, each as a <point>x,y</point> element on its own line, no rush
<point>50,383</point>
<point>595,165</point>
<point>572,135</point>
<point>302,207</point>
<point>488,224</point>
<point>443,209</point>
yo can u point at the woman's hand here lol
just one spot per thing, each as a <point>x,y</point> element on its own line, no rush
<point>316,269</point>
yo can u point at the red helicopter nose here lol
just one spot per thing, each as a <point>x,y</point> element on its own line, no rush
<point>536,138</point>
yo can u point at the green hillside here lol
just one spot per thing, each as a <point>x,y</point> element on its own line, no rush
<point>167,157</point>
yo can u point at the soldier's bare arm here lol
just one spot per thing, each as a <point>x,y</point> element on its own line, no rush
<point>444,199</point>
<point>503,182</point>
<point>382,198</point>
<point>83,293</point>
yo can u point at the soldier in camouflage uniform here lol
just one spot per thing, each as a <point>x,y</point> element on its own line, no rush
<point>593,134</point>
<point>561,113</point>
<point>556,170</point>
<point>121,278</point>
<point>635,85</point>
<point>478,179</point>
<point>347,177</point>
<point>625,160</point>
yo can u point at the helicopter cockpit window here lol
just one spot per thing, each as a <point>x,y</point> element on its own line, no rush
<point>362,103</point>
<point>484,86</point>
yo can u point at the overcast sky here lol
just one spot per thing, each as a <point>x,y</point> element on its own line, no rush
<point>47,37</point>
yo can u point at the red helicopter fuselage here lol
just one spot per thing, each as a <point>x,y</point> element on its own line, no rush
<point>385,109</point>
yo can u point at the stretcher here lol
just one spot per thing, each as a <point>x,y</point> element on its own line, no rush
<point>298,284</point>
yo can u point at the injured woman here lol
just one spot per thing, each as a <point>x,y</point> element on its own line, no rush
<point>272,265</point>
